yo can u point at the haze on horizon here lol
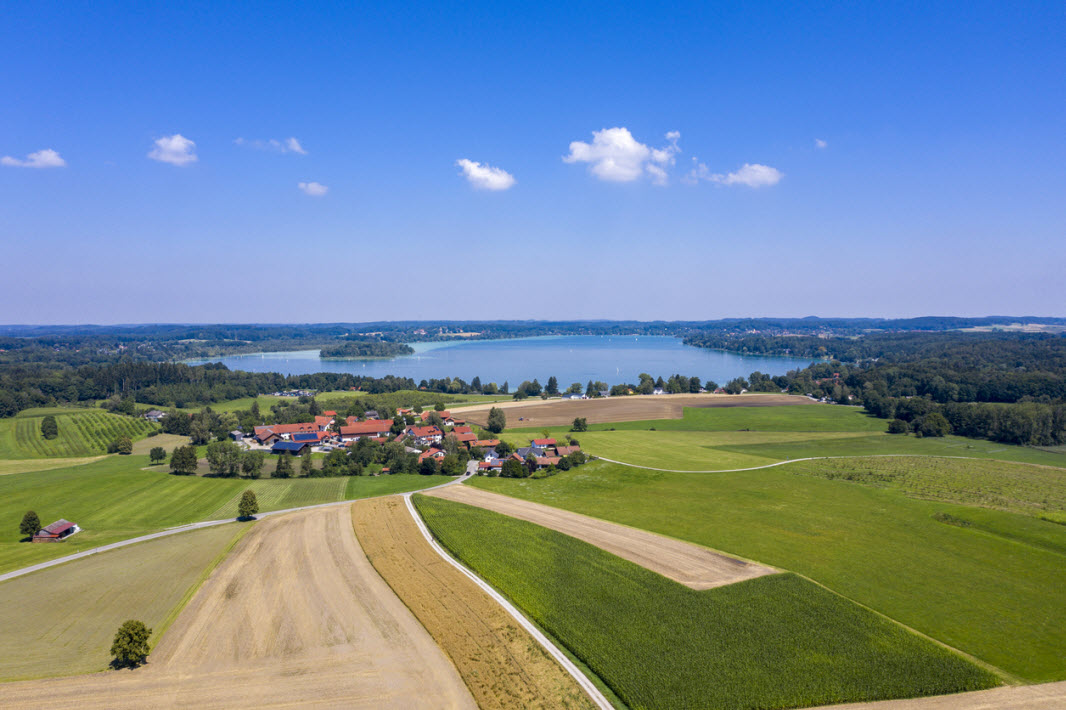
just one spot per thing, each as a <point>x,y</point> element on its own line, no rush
<point>204,164</point>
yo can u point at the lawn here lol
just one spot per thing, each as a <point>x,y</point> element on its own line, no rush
<point>82,432</point>
<point>116,498</point>
<point>811,417</point>
<point>61,621</point>
<point>772,642</point>
<point>990,589</point>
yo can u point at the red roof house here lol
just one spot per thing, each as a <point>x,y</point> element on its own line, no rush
<point>59,530</point>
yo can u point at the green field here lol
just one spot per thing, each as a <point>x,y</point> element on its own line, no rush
<point>147,581</point>
<point>328,399</point>
<point>772,642</point>
<point>716,439</point>
<point>115,498</point>
<point>82,432</point>
<point>989,589</point>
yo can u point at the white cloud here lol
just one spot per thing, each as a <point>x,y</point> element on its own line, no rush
<point>485,177</point>
<point>314,189</point>
<point>46,158</point>
<point>819,143</point>
<point>750,174</point>
<point>615,155</point>
<point>289,145</point>
<point>175,149</point>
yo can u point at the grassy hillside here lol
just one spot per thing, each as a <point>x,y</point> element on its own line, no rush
<point>988,589</point>
<point>772,642</point>
<point>82,432</point>
<point>145,581</point>
<point>114,499</point>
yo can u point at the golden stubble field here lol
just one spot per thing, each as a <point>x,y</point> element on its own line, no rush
<point>295,616</point>
<point>502,664</point>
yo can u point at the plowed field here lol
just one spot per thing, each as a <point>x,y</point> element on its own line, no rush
<point>538,413</point>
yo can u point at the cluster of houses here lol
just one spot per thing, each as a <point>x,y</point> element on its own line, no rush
<point>544,452</point>
<point>322,432</point>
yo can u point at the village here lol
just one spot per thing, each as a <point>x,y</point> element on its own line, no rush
<point>431,435</point>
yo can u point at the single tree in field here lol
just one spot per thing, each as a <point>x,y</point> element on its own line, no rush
<point>284,467</point>
<point>580,424</point>
<point>30,524</point>
<point>130,647</point>
<point>552,387</point>
<point>183,460</point>
<point>124,445</point>
<point>252,463</point>
<point>49,428</point>
<point>248,506</point>
<point>497,420</point>
<point>157,455</point>
<point>307,467</point>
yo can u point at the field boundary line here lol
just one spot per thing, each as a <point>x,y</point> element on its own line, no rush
<point>193,526</point>
<point>823,458</point>
<point>582,680</point>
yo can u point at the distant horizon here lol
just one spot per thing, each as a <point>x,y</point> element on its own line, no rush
<point>441,321</point>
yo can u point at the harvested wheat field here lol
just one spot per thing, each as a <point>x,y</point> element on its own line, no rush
<point>540,413</point>
<point>503,665</point>
<point>1049,696</point>
<point>691,565</point>
<point>295,616</point>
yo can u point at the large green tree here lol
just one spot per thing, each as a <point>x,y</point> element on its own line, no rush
<point>224,458</point>
<point>252,463</point>
<point>130,647</point>
<point>183,460</point>
<point>284,466</point>
<point>248,505</point>
<point>30,524</point>
<point>497,420</point>
<point>157,455</point>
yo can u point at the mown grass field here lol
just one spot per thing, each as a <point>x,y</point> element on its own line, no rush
<point>1018,488</point>
<point>989,590</point>
<point>714,439</point>
<point>771,642</point>
<point>62,620</point>
<point>116,498</point>
<point>82,432</point>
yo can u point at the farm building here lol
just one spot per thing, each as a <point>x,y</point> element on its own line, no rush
<point>154,415</point>
<point>290,447</point>
<point>372,428</point>
<point>57,531</point>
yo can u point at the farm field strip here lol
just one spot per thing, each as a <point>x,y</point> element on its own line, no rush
<point>12,466</point>
<point>694,566</point>
<point>81,433</point>
<point>776,641</point>
<point>500,662</point>
<point>143,582</point>
<point>328,632</point>
<point>553,413</point>
<point>875,545</point>
<point>1047,696</point>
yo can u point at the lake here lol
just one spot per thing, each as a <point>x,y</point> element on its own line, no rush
<point>574,358</point>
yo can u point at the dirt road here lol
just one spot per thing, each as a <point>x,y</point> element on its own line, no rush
<point>692,565</point>
<point>540,413</point>
<point>501,663</point>
<point>295,616</point>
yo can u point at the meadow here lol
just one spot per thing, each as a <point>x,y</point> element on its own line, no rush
<point>149,581</point>
<point>82,432</point>
<point>116,498</point>
<point>771,642</point>
<point>985,588</point>
<point>716,439</point>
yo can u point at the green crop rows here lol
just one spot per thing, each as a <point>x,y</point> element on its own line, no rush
<point>84,433</point>
<point>772,642</point>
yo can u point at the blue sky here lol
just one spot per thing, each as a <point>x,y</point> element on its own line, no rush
<point>902,159</point>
